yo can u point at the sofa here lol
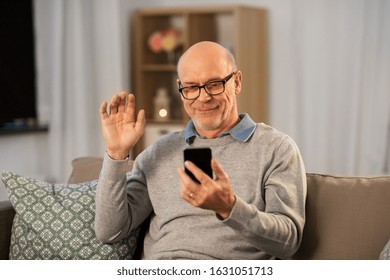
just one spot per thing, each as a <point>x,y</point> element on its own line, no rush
<point>347,217</point>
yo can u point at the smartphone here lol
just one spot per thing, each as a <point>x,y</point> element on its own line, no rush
<point>201,157</point>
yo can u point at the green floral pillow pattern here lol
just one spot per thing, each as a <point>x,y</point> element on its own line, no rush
<point>56,221</point>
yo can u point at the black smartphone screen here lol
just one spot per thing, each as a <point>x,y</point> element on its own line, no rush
<point>201,157</point>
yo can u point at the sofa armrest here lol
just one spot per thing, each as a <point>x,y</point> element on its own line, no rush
<point>7,214</point>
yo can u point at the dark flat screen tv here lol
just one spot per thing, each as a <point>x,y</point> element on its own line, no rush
<point>17,62</point>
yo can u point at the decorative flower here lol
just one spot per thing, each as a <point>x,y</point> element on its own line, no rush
<point>155,42</point>
<point>164,40</point>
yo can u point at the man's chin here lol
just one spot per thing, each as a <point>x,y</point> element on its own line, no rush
<point>206,126</point>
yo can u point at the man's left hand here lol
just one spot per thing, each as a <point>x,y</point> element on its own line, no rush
<point>216,195</point>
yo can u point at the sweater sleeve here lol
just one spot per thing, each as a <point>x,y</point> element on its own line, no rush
<point>122,203</point>
<point>278,229</point>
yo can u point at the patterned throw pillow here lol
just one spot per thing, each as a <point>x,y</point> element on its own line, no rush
<point>56,221</point>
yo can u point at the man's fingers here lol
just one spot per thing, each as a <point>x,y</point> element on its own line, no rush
<point>184,178</point>
<point>217,169</point>
<point>130,106</point>
<point>141,120</point>
<point>187,186</point>
<point>122,101</point>
<point>114,104</point>
<point>202,177</point>
<point>103,110</point>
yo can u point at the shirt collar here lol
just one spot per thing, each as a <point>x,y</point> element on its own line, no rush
<point>241,132</point>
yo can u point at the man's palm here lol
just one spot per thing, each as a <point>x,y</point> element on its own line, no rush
<point>120,128</point>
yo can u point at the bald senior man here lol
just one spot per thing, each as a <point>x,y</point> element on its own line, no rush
<point>252,208</point>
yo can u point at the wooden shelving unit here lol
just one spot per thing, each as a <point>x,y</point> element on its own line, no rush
<point>241,29</point>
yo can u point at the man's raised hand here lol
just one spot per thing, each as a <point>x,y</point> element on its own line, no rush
<point>121,130</point>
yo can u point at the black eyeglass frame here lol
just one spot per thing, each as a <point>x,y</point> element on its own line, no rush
<point>223,81</point>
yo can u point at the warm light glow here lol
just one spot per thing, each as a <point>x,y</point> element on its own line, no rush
<point>163,113</point>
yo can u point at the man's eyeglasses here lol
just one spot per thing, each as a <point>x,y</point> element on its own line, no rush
<point>212,88</point>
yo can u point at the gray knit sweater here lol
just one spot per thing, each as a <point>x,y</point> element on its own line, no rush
<point>266,173</point>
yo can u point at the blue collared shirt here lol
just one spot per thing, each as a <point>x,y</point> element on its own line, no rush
<point>241,132</point>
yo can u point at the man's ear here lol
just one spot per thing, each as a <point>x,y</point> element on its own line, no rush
<point>237,82</point>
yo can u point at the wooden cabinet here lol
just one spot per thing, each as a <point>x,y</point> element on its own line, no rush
<point>241,29</point>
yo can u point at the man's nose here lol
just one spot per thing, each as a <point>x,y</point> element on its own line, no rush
<point>203,95</point>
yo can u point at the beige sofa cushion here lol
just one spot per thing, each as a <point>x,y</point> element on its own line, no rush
<point>347,217</point>
<point>85,169</point>
<point>88,168</point>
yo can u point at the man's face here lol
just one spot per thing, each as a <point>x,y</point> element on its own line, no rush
<point>211,114</point>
